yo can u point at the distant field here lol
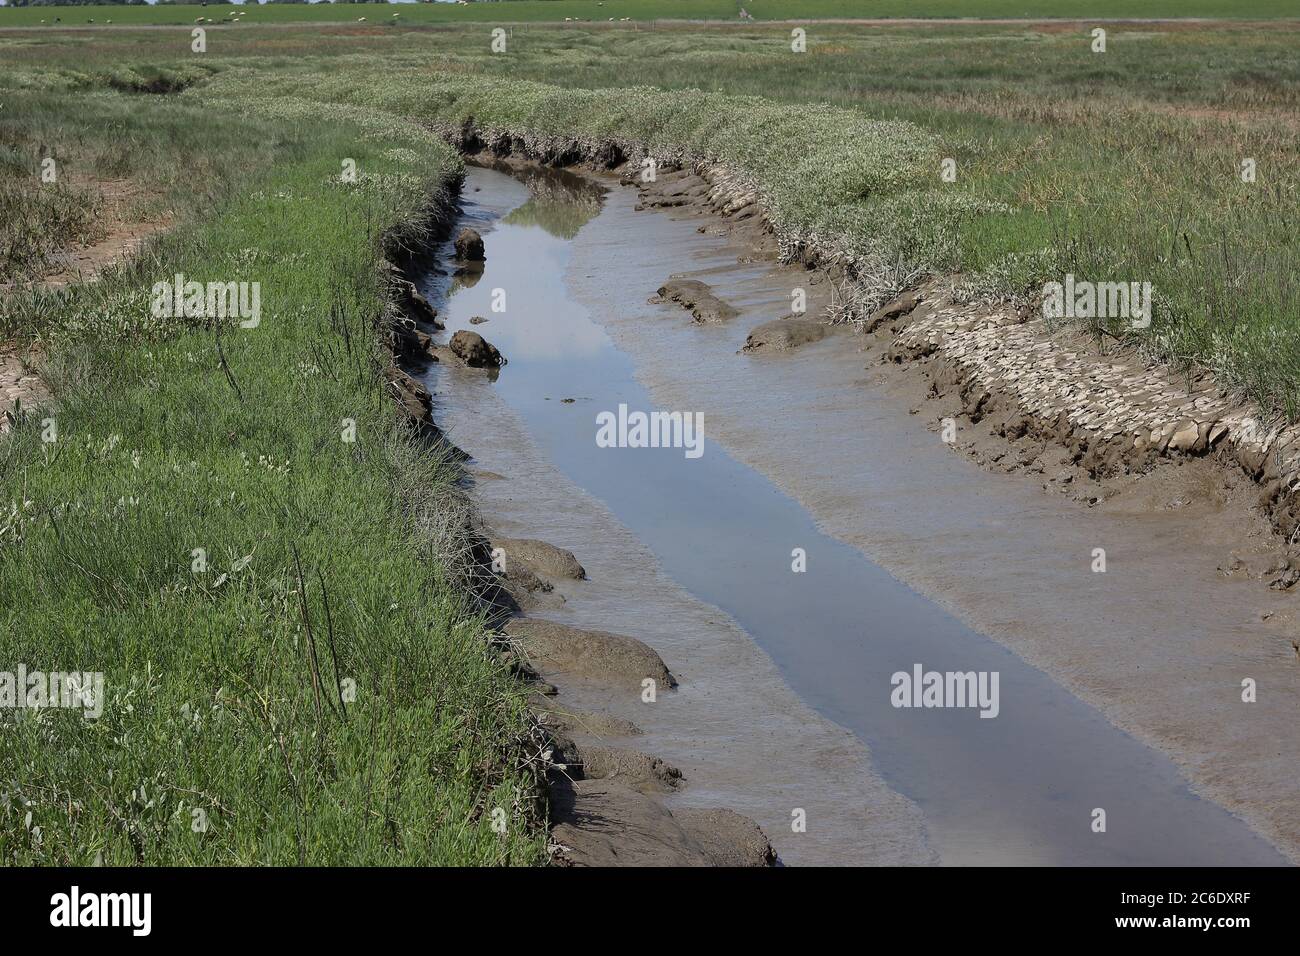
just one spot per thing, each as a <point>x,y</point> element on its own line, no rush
<point>605,10</point>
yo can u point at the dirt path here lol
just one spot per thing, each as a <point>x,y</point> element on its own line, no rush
<point>123,239</point>
<point>20,380</point>
<point>20,386</point>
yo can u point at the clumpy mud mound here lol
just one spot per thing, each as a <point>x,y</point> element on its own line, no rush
<point>469,246</point>
<point>597,655</point>
<point>672,190</point>
<point>527,568</point>
<point>598,823</point>
<point>540,558</point>
<point>598,726</point>
<point>528,589</point>
<point>785,334</point>
<point>705,187</point>
<point>727,838</point>
<point>698,299</point>
<point>475,351</point>
<point>641,772</point>
<point>21,387</point>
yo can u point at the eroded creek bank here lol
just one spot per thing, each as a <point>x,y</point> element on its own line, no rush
<point>783,701</point>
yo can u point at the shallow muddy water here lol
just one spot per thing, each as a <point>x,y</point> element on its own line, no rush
<point>694,556</point>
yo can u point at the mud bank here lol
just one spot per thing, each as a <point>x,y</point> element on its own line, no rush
<point>676,353</point>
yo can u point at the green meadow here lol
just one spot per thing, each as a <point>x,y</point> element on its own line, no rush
<point>231,526</point>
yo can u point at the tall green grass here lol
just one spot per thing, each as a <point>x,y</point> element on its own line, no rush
<point>317,690</point>
<point>165,160</point>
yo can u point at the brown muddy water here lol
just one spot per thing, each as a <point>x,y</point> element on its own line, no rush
<point>786,700</point>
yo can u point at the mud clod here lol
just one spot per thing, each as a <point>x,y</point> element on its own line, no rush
<point>598,823</point>
<point>641,772</point>
<point>597,655</point>
<point>469,246</point>
<point>475,351</point>
<point>698,299</point>
<point>530,591</point>
<point>784,334</point>
<point>727,838</point>
<point>540,557</point>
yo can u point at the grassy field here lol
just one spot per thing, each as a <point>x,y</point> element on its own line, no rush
<point>1122,165</point>
<point>551,11</point>
<point>291,673</point>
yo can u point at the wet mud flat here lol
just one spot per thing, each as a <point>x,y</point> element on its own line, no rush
<point>1161,641</point>
<point>805,450</point>
<point>739,737</point>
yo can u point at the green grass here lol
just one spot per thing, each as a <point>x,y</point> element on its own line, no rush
<point>550,11</point>
<point>217,699</point>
